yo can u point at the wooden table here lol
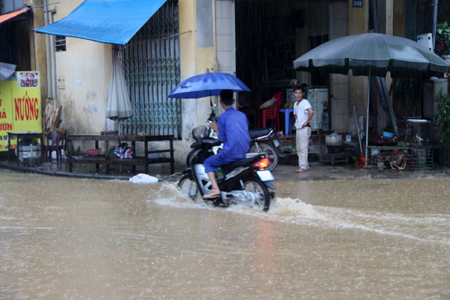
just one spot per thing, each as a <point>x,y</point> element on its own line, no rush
<point>22,136</point>
<point>107,159</point>
<point>335,157</point>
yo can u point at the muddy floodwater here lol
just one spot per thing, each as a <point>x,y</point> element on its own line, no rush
<point>66,238</point>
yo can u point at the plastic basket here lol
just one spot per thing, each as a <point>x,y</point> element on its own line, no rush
<point>200,132</point>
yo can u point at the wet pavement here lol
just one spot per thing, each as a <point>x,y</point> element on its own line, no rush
<point>331,233</point>
<point>336,239</point>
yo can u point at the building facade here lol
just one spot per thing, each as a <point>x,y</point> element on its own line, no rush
<point>254,40</point>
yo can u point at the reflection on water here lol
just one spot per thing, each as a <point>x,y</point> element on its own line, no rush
<point>88,239</point>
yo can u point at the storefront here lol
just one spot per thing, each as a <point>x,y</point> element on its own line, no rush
<point>270,35</point>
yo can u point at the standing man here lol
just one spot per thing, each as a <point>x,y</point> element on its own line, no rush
<point>303,114</point>
<point>232,129</point>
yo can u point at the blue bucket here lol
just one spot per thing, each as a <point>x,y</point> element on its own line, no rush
<point>387,134</point>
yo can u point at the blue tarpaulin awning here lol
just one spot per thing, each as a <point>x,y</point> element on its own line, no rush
<point>105,21</point>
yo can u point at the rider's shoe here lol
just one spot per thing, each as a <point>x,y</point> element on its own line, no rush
<point>211,196</point>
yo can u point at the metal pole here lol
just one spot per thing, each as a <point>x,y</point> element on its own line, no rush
<point>49,61</point>
<point>381,82</point>
<point>54,58</point>
<point>434,21</point>
<point>367,122</point>
<point>375,15</point>
<point>44,4</point>
<point>357,128</point>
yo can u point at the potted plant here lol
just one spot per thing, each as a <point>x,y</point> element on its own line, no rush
<point>442,46</point>
<point>444,118</point>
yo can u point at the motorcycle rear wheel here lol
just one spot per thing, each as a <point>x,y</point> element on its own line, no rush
<point>270,152</point>
<point>254,184</point>
<point>189,187</point>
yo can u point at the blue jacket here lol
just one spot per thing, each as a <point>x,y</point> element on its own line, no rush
<point>233,132</point>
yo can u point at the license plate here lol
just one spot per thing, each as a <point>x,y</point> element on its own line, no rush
<point>265,175</point>
<point>275,141</point>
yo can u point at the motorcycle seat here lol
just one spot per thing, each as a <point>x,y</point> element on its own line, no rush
<point>239,163</point>
<point>254,133</point>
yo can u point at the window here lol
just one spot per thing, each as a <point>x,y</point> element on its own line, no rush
<point>7,6</point>
<point>60,43</point>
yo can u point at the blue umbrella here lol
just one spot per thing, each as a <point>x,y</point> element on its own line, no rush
<point>208,84</point>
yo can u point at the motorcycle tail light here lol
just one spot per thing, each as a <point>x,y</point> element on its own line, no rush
<point>262,164</point>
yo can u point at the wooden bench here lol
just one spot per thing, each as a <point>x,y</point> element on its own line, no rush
<point>107,160</point>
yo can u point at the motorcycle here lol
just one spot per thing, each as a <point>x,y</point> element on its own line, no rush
<point>263,141</point>
<point>245,181</point>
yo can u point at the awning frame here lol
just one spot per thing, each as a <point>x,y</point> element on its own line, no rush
<point>10,17</point>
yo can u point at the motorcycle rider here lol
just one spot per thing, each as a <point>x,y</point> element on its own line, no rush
<point>232,129</point>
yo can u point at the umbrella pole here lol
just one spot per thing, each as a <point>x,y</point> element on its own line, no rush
<point>357,128</point>
<point>367,122</point>
<point>119,129</point>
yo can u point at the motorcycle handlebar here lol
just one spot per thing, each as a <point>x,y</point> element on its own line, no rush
<point>212,117</point>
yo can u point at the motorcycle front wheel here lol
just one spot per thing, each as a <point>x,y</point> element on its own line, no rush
<point>191,156</point>
<point>270,152</point>
<point>255,185</point>
<point>189,187</point>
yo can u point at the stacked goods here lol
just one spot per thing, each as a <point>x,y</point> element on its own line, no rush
<point>52,115</point>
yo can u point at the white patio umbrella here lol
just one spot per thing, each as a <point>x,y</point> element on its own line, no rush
<point>119,105</point>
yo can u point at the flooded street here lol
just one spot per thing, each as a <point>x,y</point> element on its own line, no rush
<point>64,238</point>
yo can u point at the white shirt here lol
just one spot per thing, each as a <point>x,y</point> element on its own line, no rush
<point>301,111</point>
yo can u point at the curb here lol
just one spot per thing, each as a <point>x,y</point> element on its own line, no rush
<point>175,177</point>
<point>31,170</point>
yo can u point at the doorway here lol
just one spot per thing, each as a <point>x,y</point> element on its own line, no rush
<point>270,35</point>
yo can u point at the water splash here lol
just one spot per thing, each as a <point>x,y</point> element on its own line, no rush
<point>168,194</point>
<point>293,210</point>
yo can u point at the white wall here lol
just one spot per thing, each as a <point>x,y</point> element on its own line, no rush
<point>225,36</point>
<point>338,82</point>
<point>225,39</point>
<point>83,75</point>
